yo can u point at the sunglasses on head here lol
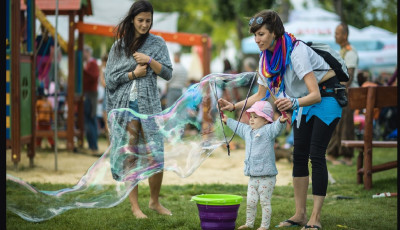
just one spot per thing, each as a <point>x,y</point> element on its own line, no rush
<point>259,20</point>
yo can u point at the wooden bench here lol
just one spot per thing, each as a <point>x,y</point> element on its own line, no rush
<point>370,98</point>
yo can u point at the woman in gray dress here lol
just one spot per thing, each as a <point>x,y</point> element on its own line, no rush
<point>134,62</point>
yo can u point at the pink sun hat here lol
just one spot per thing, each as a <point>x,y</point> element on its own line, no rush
<point>262,109</point>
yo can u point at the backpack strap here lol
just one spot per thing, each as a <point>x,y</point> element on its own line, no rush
<point>309,44</point>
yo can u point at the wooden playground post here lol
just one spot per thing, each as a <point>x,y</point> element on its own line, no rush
<point>71,83</point>
<point>20,80</point>
<point>15,82</point>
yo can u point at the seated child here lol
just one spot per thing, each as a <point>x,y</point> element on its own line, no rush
<point>44,116</point>
<point>259,162</point>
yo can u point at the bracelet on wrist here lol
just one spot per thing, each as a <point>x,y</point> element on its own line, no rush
<point>148,63</point>
<point>133,75</point>
<point>295,103</point>
<point>234,108</point>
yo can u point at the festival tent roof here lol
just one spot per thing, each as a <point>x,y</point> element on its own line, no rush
<point>377,31</point>
<point>320,31</point>
<point>311,14</point>
<point>318,25</point>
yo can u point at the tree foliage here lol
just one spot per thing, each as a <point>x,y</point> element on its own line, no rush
<point>384,16</point>
<point>226,20</point>
<point>362,13</point>
<point>220,19</point>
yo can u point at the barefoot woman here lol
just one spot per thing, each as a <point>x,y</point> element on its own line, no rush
<point>134,62</point>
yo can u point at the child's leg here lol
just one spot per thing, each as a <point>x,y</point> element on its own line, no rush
<point>267,185</point>
<point>49,139</point>
<point>252,201</point>
<point>39,139</point>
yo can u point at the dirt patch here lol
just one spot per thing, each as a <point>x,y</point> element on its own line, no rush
<point>218,168</point>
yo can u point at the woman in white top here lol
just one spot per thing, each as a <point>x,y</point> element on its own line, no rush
<point>287,68</point>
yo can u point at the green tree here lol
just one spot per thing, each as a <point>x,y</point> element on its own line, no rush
<point>194,15</point>
<point>362,13</point>
<point>384,16</point>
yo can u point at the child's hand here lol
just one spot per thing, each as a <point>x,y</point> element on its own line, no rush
<point>224,118</point>
<point>283,119</point>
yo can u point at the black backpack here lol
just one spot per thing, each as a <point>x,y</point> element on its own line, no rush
<point>331,57</point>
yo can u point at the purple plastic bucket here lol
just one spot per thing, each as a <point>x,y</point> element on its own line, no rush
<point>216,217</point>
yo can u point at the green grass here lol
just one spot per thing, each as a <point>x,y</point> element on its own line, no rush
<point>361,212</point>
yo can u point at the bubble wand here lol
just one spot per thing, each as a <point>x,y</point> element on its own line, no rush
<point>221,114</point>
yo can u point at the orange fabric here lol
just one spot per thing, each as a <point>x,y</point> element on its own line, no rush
<point>46,126</point>
<point>44,110</point>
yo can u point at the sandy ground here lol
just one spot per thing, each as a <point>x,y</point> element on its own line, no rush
<point>218,168</point>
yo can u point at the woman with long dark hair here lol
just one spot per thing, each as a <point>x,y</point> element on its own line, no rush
<point>134,62</point>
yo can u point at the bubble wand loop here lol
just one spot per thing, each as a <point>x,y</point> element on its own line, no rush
<point>273,97</point>
<point>221,114</point>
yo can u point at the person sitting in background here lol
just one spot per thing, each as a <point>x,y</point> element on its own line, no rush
<point>232,94</point>
<point>44,116</point>
<point>364,80</point>
<point>388,116</point>
<point>393,79</point>
<point>249,65</point>
<point>178,81</point>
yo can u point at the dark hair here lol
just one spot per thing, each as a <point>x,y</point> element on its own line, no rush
<point>345,28</point>
<point>126,29</point>
<point>271,20</point>
<point>40,92</point>
<point>227,65</point>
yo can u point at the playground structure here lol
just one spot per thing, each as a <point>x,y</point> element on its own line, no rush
<point>21,67</point>
<point>20,79</point>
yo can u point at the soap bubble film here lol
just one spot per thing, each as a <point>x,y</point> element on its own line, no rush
<point>140,146</point>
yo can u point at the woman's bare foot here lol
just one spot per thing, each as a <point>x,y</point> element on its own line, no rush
<point>262,228</point>
<point>160,209</point>
<point>138,213</point>
<point>244,227</point>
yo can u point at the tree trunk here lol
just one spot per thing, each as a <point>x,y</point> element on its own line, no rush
<point>339,9</point>
<point>284,11</point>
<point>239,27</point>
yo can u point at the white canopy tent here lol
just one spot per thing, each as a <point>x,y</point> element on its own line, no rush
<point>376,47</point>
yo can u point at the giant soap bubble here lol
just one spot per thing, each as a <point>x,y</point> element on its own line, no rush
<point>130,159</point>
